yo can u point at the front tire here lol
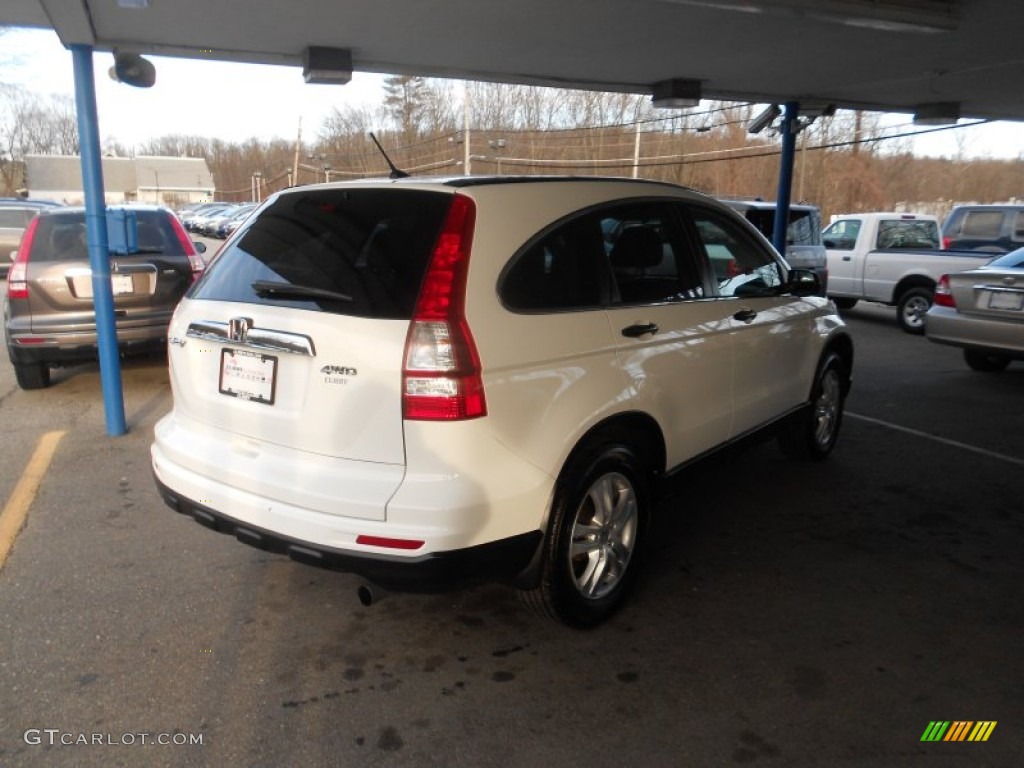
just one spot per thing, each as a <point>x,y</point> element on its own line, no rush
<point>985,362</point>
<point>814,433</point>
<point>911,309</point>
<point>598,522</point>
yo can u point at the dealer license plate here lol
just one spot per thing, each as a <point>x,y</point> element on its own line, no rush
<point>248,375</point>
<point>121,284</point>
<point>1006,300</point>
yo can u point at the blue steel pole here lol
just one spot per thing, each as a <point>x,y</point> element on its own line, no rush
<point>96,230</point>
<point>790,111</point>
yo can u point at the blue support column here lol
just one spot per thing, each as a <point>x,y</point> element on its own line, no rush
<point>96,228</point>
<point>789,115</point>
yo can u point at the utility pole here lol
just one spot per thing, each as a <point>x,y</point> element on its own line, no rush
<point>465,129</point>
<point>295,163</point>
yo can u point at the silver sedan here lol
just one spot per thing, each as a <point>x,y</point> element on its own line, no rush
<point>982,311</point>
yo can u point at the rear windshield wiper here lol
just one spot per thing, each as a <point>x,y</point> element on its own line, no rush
<point>270,288</point>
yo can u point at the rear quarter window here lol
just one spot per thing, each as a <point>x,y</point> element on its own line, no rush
<point>371,245</point>
<point>982,224</point>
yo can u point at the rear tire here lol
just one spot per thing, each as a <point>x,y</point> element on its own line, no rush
<point>598,522</point>
<point>844,303</point>
<point>814,433</point>
<point>985,362</point>
<point>32,375</point>
<point>911,309</point>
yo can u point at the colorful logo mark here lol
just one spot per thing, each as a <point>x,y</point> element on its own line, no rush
<point>958,730</point>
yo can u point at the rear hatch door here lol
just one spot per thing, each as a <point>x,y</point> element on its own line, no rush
<point>296,333</point>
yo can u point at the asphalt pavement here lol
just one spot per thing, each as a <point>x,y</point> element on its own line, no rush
<point>789,614</point>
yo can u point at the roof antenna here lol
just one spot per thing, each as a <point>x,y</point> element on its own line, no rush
<point>395,172</point>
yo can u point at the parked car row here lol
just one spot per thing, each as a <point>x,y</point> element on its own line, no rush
<point>215,219</point>
<point>964,290</point>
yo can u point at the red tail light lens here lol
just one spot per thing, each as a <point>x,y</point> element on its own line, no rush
<point>946,243</point>
<point>943,293</point>
<point>17,278</point>
<point>442,378</point>
<point>195,261</point>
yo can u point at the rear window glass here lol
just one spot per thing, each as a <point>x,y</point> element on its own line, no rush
<point>894,234</point>
<point>62,236</point>
<point>1014,259</point>
<point>368,247</point>
<point>804,225</point>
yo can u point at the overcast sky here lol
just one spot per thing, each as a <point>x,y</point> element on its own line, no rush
<point>219,99</point>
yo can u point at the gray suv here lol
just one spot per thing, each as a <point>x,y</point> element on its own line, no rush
<point>49,318</point>
<point>804,247</point>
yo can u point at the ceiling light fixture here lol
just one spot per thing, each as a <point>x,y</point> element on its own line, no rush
<point>937,113</point>
<point>675,94</point>
<point>331,66</point>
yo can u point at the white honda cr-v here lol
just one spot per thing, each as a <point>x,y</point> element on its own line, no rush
<point>431,382</point>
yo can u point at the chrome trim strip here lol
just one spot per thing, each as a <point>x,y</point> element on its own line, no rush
<point>999,288</point>
<point>256,338</point>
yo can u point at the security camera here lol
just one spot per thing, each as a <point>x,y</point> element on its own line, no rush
<point>132,69</point>
<point>763,120</point>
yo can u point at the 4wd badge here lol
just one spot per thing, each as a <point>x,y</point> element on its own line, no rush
<point>337,374</point>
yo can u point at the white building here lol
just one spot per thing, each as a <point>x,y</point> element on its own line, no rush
<point>170,181</point>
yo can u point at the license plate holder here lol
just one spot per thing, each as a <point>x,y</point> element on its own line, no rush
<point>248,375</point>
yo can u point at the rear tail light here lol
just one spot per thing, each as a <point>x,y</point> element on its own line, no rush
<point>17,277</point>
<point>195,261</point>
<point>947,242</point>
<point>442,378</point>
<point>943,293</point>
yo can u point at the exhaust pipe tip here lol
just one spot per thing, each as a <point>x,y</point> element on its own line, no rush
<point>368,595</point>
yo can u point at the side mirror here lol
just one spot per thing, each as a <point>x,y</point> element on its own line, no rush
<point>200,247</point>
<point>803,282</point>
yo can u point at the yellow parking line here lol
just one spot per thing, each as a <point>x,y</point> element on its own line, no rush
<point>16,509</point>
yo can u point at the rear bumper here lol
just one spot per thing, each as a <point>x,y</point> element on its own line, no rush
<point>57,349</point>
<point>944,325</point>
<point>496,561</point>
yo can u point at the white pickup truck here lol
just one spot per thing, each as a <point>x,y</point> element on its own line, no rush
<point>892,258</point>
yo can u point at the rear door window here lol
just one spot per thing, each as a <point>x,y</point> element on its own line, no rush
<point>360,252</point>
